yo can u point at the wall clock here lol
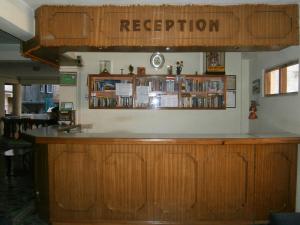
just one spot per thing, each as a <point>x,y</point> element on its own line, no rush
<point>157,60</point>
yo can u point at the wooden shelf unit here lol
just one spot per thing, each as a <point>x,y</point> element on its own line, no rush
<point>158,92</point>
<point>203,92</point>
<point>102,91</point>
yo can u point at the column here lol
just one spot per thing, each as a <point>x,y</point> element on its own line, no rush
<point>17,103</point>
<point>2,99</point>
<point>2,104</point>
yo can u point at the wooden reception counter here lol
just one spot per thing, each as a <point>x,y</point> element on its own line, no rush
<point>89,178</point>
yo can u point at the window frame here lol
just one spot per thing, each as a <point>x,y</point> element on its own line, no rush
<point>49,88</point>
<point>282,79</point>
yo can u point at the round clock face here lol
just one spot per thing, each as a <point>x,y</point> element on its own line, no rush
<point>157,60</point>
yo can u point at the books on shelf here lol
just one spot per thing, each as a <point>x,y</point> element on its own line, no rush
<point>112,102</point>
<point>158,83</point>
<point>190,85</point>
<point>213,101</point>
<point>157,91</point>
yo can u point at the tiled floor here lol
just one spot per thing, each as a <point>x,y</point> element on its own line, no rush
<point>17,198</point>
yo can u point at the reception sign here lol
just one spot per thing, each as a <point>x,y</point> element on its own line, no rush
<point>188,28</point>
<point>178,26</point>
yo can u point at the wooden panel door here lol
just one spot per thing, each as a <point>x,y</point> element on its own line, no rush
<point>275,178</point>
<point>175,181</point>
<point>73,182</point>
<point>124,184</point>
<point>226,183</point>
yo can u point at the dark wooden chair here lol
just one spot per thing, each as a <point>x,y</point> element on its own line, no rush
<point>12,144</point>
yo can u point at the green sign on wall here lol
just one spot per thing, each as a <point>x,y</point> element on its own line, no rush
<point>68,79</point>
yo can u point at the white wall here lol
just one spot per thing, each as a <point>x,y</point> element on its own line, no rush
<point>11,52</point>
<point>71,93</point>
<point>244,82</point>
<point>17,18</point>
<point>162,121</point>
<point>280,113</point>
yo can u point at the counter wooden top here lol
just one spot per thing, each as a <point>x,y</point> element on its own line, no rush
<point>53,135</point>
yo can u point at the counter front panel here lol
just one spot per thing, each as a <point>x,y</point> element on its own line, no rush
<point>96,182</point>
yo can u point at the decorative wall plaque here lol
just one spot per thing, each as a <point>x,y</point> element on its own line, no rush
<point>214,62</point>
<point>104,66</point>
<point>157,60</point>
<point>231,82</point>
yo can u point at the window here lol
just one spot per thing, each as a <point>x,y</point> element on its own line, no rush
<point>42,88</point>
<point>282,80</point>
<point>8,105</point>
<point>46,88</point>
<point>49,88</point>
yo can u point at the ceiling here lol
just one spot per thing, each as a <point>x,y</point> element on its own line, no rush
<point>6,38</point>
<point>14,66</point>
<point>36,3</point>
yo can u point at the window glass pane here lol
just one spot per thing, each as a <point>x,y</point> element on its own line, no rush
<point>274,82</point>
<point>8,102</point>
<point>49,88</point>
<point>292,78</point>
<point>42,88</point>
<point>8,88</point>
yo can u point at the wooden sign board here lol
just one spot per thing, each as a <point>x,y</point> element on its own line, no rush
<point>173,26</point>
<point>153,28</point>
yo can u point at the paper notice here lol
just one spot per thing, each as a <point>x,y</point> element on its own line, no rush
<point>169,101</point>
<point>123,89</point>
<point>230,99</point>
<point>142,94</point>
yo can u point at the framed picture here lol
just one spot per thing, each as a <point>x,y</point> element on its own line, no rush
<point>104,66</point>
<point>68,79</point>
<point>256,87</point>
<point>66,106</point>
<point>141,71</point>
<point>230,99</point>
<point>214,62</point>
<point>231,82</point>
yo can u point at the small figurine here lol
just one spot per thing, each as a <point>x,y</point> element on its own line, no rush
<point>179,66</point>
<point>105,70</point>
<point>130,68</point>
<point>170,70</point>
<point>253,109</point>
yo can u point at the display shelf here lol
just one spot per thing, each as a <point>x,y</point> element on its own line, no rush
<point>203,92</point>
<point>110,91</point>
<point>156,91</point>
<point>107,91</point>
